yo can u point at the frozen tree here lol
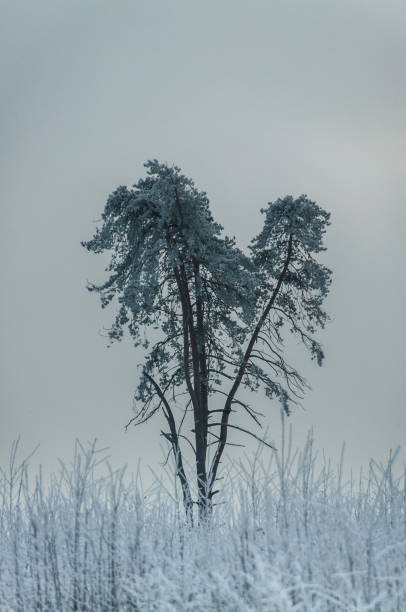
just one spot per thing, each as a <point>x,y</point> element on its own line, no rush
<point>218,314</point>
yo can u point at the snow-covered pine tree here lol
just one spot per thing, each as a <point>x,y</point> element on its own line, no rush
<point>220,312</point>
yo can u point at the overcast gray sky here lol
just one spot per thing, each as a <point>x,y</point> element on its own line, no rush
<point>254,100</point>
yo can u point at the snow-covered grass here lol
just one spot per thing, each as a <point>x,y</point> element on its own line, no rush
<point>286,536</point>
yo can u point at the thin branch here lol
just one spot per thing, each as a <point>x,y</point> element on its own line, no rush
<point>218,438</point>
<point>248,408</point>
<point>247,431</point>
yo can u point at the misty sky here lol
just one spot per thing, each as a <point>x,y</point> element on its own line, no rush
<point>253,100</point>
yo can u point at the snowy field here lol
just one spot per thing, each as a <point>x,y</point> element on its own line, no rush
<point>288,535</point>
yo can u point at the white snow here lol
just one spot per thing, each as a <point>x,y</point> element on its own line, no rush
<point>285,537</point>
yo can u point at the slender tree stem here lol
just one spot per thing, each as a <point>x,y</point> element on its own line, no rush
<point>174,439</point>
<point>242,368</point>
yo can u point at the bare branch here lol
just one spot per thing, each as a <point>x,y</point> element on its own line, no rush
<point>247,431</point>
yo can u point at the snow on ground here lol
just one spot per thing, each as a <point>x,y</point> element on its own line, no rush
<point>284,537</point>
